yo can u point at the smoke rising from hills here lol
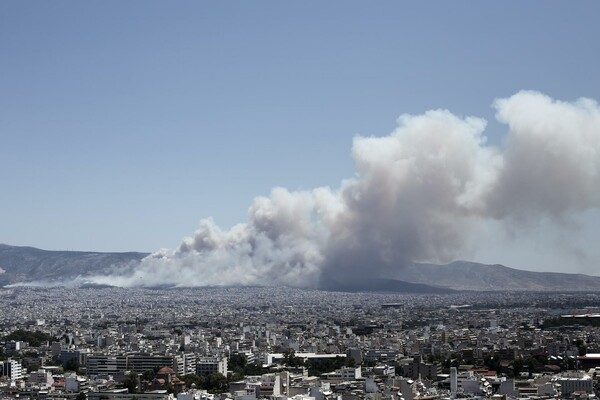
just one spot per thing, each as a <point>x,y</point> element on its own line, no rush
<point>417,195</point>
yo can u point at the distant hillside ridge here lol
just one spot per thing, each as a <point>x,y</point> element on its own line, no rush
<point>20,264</point>
<point>26,264</point>
<point>465,275</point>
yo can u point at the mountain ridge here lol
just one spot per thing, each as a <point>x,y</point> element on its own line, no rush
<point>468,275</point>
<point>22,264</point>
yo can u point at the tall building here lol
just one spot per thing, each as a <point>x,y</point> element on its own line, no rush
<point>11,369</point>
<point>453,380</point>
<point>185,363</point>
<point>211,365</point>
<point>418,369</point>
<point>105,365</point>
<point>139,363</point>
<point>575,382</point>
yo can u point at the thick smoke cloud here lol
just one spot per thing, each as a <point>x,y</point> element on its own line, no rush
<point>416,196</point>
<point>551,159</point>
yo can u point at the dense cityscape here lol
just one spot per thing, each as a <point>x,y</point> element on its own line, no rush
<point>245,343</point>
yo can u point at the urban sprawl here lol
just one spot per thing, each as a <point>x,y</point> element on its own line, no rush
<point>253,343</point>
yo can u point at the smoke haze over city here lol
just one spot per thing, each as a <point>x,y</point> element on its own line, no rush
<point>419,194</point>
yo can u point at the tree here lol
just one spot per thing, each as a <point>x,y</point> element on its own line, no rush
<point>216,383</point>
<point>518,365</point>
<point>288,356</point>
<point>492,363</point>
<point>35,339</point>
<point>170,388</point>
<point>532,365</point>
<point>148,375</point>
<point>32,368</point>
<point>71,365</point>
<point>570,363</point>
<point>290,359</point>
<point>238,363</point>
<point>131,383</point>
<point>193,379</point>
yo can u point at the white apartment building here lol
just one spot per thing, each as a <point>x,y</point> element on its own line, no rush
<point>575,382</point>
<point>211,365</point>
<point>11,369</point>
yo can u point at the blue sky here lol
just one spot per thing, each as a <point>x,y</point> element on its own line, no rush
<point>122,124</point>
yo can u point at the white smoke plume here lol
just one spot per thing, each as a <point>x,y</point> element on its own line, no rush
<point>416,196</point>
